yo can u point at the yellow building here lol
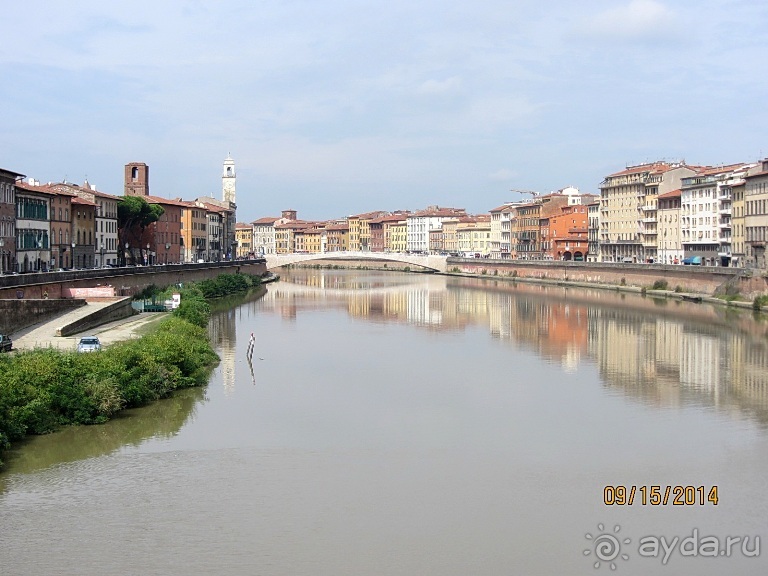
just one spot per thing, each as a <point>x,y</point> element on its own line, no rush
<point>285,236</point>
<point>310,240</point>
<point>360,230</point>
<point>450,242</point>
<point>337,237</point>
<point>473,235</point>
<point>244,239</point>
<point>396,236</point>
<point>194,233</point>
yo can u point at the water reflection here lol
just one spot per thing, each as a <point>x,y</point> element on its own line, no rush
<point>665,353</point>
<point>159,420</point>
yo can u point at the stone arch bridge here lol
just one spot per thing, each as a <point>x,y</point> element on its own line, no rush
<point>429,262</point>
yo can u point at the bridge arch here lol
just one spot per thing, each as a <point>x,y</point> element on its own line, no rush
<point>429,262</point>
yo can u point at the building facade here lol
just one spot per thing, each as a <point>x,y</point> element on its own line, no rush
<point>420,223</point>
<point>628,206</point>
<point>244,238</point>
<point>8,180</point>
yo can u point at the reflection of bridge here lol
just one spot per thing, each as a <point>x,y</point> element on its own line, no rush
<point>436,263</point>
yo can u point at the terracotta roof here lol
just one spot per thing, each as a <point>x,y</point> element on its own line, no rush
<point>105,195</point>
<point>212,207</point>
<point>164,201</point>
<point>337,227</point>
<point>41,189</point>
<point>655,167</point>
<point>82,201</point>
<point>505,208</point>
<point>710,170</point>
<point>673,194</point>
<point>439,212</point>
<point>266,220</point>
<point>295,224</point>
<point>369,215</point>
<point>390,218</point>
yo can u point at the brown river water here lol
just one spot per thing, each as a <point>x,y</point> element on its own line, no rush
<point>408,424</point>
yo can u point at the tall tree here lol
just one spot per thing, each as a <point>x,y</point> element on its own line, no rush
<point>134,214</point>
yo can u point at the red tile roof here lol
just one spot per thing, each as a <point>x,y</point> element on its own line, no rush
<point>41,189</point>
<point>369,215</point>
<point>82,201</point>
<point>266,220</point>
<point>165,201</point>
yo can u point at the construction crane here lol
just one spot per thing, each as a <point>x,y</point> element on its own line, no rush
<point>531,192</point>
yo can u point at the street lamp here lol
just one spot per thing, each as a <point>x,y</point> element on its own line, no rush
<point>101,246</point>
<point>73,253</point>
<point>2,256</point>
<point>167,247</point>
<point>146,256</point>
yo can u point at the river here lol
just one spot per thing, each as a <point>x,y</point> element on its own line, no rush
<point>409,424</point>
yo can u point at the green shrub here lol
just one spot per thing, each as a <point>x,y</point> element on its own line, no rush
<point>660,285</point>
<point>46,388</point>
<point>759,302</point>
<point>678,289</point>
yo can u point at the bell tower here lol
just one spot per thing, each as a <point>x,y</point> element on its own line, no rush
<point>228,181</point>
<point>136,179</point>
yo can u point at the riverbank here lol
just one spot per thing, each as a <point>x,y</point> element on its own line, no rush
<point>723,287</point>
<point>48,387</point>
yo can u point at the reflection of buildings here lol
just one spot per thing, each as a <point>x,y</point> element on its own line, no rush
<point>663,353</point>
<point>222,331</point>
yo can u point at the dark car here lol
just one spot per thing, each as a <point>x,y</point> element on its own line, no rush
<point>6,344</point>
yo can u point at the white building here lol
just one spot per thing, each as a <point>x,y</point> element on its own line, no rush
<point>419,224</point>
<point>264,235</point>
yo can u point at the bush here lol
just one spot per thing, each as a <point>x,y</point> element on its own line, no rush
<point>660,285</point>
<point>46,388</point>
<point>759,302</point>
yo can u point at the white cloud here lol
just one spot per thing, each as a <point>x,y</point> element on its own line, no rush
<point>440,86</point>
<point>638,20</point>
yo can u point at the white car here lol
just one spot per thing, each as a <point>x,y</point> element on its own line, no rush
<point>89,344</point>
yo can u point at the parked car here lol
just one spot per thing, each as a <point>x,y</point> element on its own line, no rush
<point>89,344</point>
<point>6,344</point>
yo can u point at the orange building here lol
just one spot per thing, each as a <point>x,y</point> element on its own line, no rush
<point>162,239</point>
<point>568,234</point>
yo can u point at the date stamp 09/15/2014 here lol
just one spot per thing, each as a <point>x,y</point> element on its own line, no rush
<point>652,495</point>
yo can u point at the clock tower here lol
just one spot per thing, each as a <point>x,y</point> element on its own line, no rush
<point>228,181</point>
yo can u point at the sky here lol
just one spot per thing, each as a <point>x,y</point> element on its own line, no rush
<point>340,107</point>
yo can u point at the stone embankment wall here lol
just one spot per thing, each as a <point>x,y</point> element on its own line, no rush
<point>126,281</point>
<point>695,279</point>
<point>18,314</point>
<point>120,309</point>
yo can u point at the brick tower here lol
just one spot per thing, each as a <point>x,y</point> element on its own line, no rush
<point>136,179</point>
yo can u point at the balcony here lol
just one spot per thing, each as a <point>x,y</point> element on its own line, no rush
<point>725,210</point>
<point>650,208</point>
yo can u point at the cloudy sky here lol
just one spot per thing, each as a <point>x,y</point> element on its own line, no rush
<point>336,107</point>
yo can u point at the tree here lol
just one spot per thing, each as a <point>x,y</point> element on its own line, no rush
<point>134,214</point>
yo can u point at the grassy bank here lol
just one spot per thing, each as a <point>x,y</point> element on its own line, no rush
<point>43,389</point>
